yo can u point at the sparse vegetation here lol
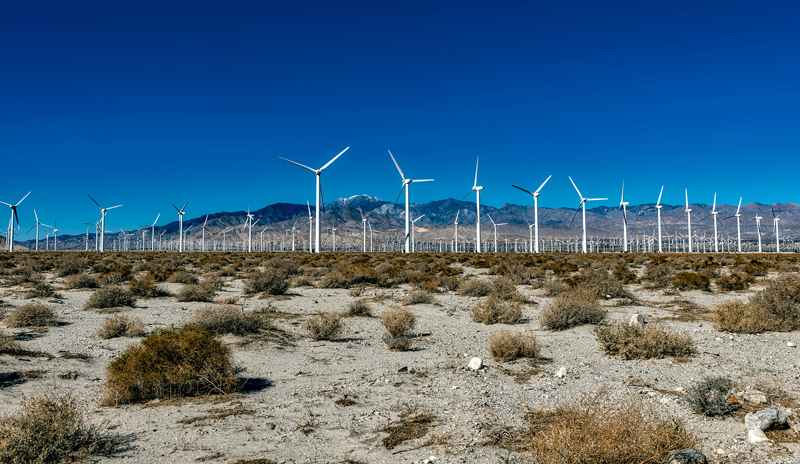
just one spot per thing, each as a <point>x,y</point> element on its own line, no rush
<point>271,282</point>
<point>711,397</point>
<point>359,308</point>
<point>145,287</point>
<point>572,308</point>
<point>475,287</point>
<point>691,281</point>
<point>78,281</point>
<point>494,310</point>
<point>111,297</point>
<point>776,308</point>
<point>228,319</point>
<point>183,277</point>
<point>202,293</point>
<point>120,325</point>
<point>32,315</point>
<point>733,282</point>
<point>418,296</point>
<point>324,326</point>
<point>631,342</point>
<point>507,346</point>
<point>399,322</point>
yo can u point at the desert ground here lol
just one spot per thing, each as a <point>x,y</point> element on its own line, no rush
<point>351,398</point>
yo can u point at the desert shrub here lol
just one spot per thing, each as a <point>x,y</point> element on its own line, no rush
<point>32,315</point>
<point>658,275</point>
<point>229,319</point>
<point>631,342</point>
<point>183,277</point>
<point>145,287</point>
<point>50,428</point>
<point>623,273</point>
<point>711,397</point>
<point>519,274</point>
<point>8,345</point>
<point>82,281</point>
<point>41,289</point>
<point>691,281</point>
<point>398,321</point>
<point>753,268</point>
<point>159,274</point>
<point>115,276</point>
<point>554,287</point>
<point>599,281</point>
<point>119,325</point>
<point>493,310</point>
<point>271,281</point>
<point>398,343</point>
<point>507,346</point>
<point>70,265</point>
<point>418,296</point>
<point>572,308</point>
<point>506,289</point>
<point>197,292</point>
<point>735,316</point>
<point>475,287</point>
<point>735,282</point>
<point>171,363</point>
<point>781,300</point>
<point>562,268</point>
<point>597,431</point>
<point>324,326</point>
<point>110,297</point>
<point>359,308</point>
<point>451,283</point>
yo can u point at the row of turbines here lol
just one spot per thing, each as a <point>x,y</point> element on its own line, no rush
<point>409,241</point>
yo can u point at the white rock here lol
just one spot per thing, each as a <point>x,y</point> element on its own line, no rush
<point>790,344</point>
<point>561,372</point>
<point>475,363</point>
<point>637,320</point>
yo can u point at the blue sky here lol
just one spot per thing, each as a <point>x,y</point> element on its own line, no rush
<point>152,103</point>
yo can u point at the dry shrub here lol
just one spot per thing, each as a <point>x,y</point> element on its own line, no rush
<point>735,282</point>
<point>691,281</point>
<point>623,273</point>
<point>32,315</point>
<point>110,297</point>
<point>597,431</point>
<point>658,275</point>
<point>518,273</point>
<point>711,397</point>
<point>120,325</point>
<point>42,289</point>
<point>50,428</point>
<point>203,293</point>
<point>753,268</point>
<point>631,342</point>
<point>572,308</point>
<point>171,363</point>
<point>8,345</point>
<point>494,310</point>
<point>776,308</point>
<point>398,321</point>
<point>82,281</point>
<point>70,265</point>
<point>418,296</point>
<point>271,282</point>
<point>554,287</point>
<point>359,308</point>
<point>735,316</point>
<point>146,287</point>
<point>409,427</point>
<point>229,319</point>
<point>115,276</point>
<point>183,277</point>
<point>475,287</point>
<point>324,326</point>
<point>507,346</point>
<point>333,280</point>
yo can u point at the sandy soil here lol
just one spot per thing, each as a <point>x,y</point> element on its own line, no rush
<point>292,415</point>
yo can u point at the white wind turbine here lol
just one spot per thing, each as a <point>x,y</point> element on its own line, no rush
<point>530,232</point>
<point>55,236</point>
<point>310,225</point>
<point>406,186</point>
<point>319,198</point>
<point>102,221</point>
<point>96,231</point>
<point>87,239</point>
<point>249,225</point>
<point>37,228</point>
<point>152,233</point>
<point>185,232</point>
<point>535,196</point>
<point>775,220</point>
<point>758,227</point>
<point>714,213</point>
<point>623,204</point>
<point>688,213</point>
<point>181,212</point>
<point>583,204</point>
<point>225,240</point>
<point>413,232</point>
<point>204,233</point>
<point>658,207</point>
<point>495,231</point>
<point>455,235</point>
<point>364,226</point>
<point>14,217</point>
<point>294,229</point>
<point>477,190</point>
<point>738,226</point>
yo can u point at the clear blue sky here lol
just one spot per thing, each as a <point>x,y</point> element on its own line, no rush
<point>151,103</point>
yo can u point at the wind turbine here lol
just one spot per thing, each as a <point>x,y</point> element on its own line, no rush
<point>181,212</point>
<point>413,232</point>
<point>96,231</point>
<point>55,236</point>
<point>364,226</point>
<point>14,217</point>
<point>775,220</point>
<point>37,228</point>
<point>204,232</point>
<point>714,213</point>
<point>530,233</point>
<point>477,190</point>
<point>688,213</point>
<point>310,225</point>
<point>658,207</point>
<point>455,236</point>
<point>186,232</point>
<point>294,229</point>
<point>535,196</point>
<point>495,231</point>
<point>582,204</point>
<point>738,226</point>
<point>758,227</point>
<point>87,239</point>
<point>152,233</point>
<point>319,198</point>
<point>406,184</point>
<point>102,221</point>
<point>623,204</point>
<point>224,239</point>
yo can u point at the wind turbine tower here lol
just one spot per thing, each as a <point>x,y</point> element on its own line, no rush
<point>14,217</point>
<point>477,190</point>
<point>102,222</point>
<point>535,196</point>
<point>181,212</point>
<point>583,204</point>
<point>406,184</point>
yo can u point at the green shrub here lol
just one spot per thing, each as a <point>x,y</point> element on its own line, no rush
<point>32,315</point>
<point>110,297</point>
<point>631,342</point>
<point>171,363</point>
<point>711,397</point>
<point>271,281</point>
<point>572,308</point>
<point>691,281</point>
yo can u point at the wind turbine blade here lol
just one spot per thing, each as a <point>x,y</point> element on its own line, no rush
<point>96,203</point>
<point>176,208</point>
<point>36,216</point>
<point>687,198</point>
<point>576,188</point>
<point>622,199</point>
<point>526,191</point>
<point>397,166</point>
<point>576,213</point>
<point>204,223</point>
<point>298,164</point>
<point>184,206</point>
<point>334,159</point>
<point>714,205</point>
<point>113,207</point>
<point>29,230</point>
<point>417,219</point>
<point>159,215</point>
<point>737,208</point>
<point>16,216</point>
<point>7,204</point>
<point>659,196</point>
<point>545,181</point>
<point>457,213</point>
<point>321,196</point>
<point>476,172</point>
<point>490,218</point>
<point>596,199</point>
<point>251,225</point>
<point>625,217</point>
<point>422,180</point>
<point>773,212</point>
<point>679,218</point>
<point>309,208</point>
<point>23,198</point>
<point>465,196</point>
<point>398,195</point>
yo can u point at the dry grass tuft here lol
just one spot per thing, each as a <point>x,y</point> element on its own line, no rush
<point>50,428</point>
<point>572,308</point>
<point>494,310</point>
<point>229,319</point>
<point>418,296</point>
<point>82,281</point>
<point>507,346</point>
<point>32,315</point>
<point>630,342</point>
<point>202,293</point>
<point>110,297</point>
<point>359,308</point>
<point>324,326</point>
<point>398,321</point>
<point>171,363</point>
<point>8,345</point>
<point>712,397</point>
<point>120,325</point>
<point>272,282</point>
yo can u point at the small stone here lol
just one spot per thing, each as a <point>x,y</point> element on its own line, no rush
<point>561,372</point>
<point>475,363</point>
<point>637,320</point>
<point>756,397</point>
<point>790,344</point>
<point>758,421</point>
<point>686,456</point>
<point>403,369</point>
